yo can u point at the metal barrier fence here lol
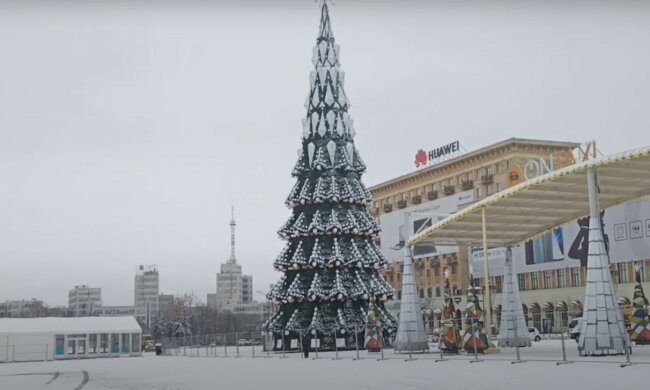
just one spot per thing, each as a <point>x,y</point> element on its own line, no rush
<point>289,344</point>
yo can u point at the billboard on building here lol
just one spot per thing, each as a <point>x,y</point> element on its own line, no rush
<point>626,232</point>
<point>394,233</point>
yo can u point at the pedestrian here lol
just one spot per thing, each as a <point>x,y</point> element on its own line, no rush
<point>306,344</point>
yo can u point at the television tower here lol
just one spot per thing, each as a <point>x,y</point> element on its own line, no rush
<point>232,259</point>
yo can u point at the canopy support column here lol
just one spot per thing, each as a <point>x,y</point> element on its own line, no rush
<point>487,303</point>
<point>410,331</point>
<point>602,329</point>
<point>513,331</point>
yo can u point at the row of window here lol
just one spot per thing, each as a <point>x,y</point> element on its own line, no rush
<point>475,176</point>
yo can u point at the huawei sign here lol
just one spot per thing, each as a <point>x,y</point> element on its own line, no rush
<point>421,158</point>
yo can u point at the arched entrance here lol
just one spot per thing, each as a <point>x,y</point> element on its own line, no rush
<point>548,321</point>
<point>562,310</point>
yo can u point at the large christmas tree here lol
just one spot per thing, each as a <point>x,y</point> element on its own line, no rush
<point>330,262</point>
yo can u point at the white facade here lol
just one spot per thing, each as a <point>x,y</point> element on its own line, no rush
<point>233,287</point>
<point>49,338</point>
<point>84,301</point>
<point>146,295</point>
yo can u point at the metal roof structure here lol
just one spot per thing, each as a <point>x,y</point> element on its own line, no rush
<point>544,203</point>
<point>69,325</point>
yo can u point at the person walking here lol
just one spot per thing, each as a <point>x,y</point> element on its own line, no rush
<point>306,344</point>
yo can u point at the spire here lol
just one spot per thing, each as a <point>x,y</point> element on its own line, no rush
<point>325,30</point>
<point>232,259</point>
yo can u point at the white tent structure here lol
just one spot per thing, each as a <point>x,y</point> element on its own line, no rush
<point>49,338</point>
<point>541,204</point>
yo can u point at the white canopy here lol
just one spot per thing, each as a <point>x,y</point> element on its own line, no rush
<point>69,325</point>
<point>541,204</point>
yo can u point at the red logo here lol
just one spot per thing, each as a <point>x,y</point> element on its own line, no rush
<point>421,158</point>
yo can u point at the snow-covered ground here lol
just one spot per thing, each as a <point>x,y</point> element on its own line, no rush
<point>245,372</point>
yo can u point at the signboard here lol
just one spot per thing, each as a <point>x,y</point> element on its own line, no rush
<point>537,167</point>
<point>438,154</point>
<point>393,232</point>
<point>626,233</point>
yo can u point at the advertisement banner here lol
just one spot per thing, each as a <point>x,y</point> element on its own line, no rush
<point>394,233</point>
<point>626,232</point>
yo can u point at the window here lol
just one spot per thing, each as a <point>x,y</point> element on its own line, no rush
<point>489,189</point>
<point>437,291</point>
<point>421,293</point>
<point>521,278</point>
<point>125,342</point>
<point>453,269</point>
<point>436,271</point>
<point>103,343</point>
<point>399,294</point>
<point>575,277</point>
<point>428,273</point>
<point>622,273</point>
<point>548,281</point>
<point>488,170</point>
<point>92,343</point>
<point>478,192</point>
<point>561,278</point>
<point>499,187</point>
<point>501,167</point>
<point>59,348</point>
<point>135,342</point>
<point>429,292</point>
<point>455,290</point>
<point>498,284</point>
<point>534,281</point>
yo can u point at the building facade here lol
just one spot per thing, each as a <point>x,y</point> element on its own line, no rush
<point>84,301</point>
<point>22,309</point>
<point>233,287</point>
<point>440,189</point>
<point>146,295</point>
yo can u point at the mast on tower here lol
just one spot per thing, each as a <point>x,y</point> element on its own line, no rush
<point>232,259</point>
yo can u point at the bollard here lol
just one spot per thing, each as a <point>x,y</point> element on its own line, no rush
<point>225,345</point>
<point>440,342</point>
<point>336,348</point>
<point>564,361</point>
<point>381,344</point>
<point>316,343</point>
<point>408,341</point>
<point>517,345</point>
<point>283,349</point>
<point>475,350</point>
<point>237,345</point>
<point>356,342</point>
<point>269,336</point>
<point>253,349</point>
<point>628,347</point>
<point>302,352</point>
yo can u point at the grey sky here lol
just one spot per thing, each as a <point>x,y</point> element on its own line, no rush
<point>127,128</point>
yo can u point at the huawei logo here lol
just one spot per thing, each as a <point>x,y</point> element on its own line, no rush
<point>421,158</point>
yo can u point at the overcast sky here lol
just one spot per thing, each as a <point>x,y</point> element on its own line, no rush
<point>127,128</point>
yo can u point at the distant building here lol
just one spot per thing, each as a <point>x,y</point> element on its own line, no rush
<point>22,309</point>
<point>233,287</point>
<point>84,301</point>
<point>212,301</point>
<point>146,295</point>
<point>165,301</point>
